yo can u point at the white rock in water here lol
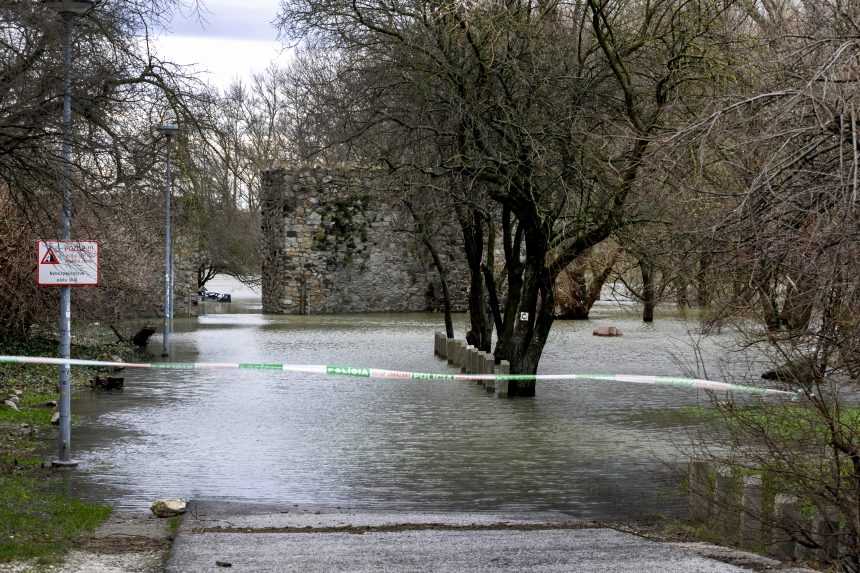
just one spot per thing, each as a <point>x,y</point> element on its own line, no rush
<point>15,399</point>
<point>168,507</point>
<point>55,419</point>
<point>11,404</point>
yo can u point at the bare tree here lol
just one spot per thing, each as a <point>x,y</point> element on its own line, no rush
<point>478,80</point>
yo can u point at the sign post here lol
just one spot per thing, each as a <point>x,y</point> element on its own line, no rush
<point>66,264</point>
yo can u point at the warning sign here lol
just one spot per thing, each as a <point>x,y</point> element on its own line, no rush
<point>50,258</point>
<point>68,263</point>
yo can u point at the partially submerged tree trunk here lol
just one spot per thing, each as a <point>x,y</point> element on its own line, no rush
<point>530,305</point>
<point>703,289</point>
<point>797,309</point>
<point>580,293</point>
<point>426,239</point>
<point>784,304</point>
<point>480,333</point>
<point>443,281</point>
<point>649,299</point>
<point>577,302</point>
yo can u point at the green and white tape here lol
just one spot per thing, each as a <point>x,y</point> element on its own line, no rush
<point>383,374</point>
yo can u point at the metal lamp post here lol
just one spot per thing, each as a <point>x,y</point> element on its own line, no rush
<point>169,130</point>
<point>68,10</point>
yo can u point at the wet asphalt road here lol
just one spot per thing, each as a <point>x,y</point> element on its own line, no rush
<point>253,538</point>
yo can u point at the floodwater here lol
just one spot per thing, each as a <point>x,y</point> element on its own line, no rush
<point>591,449</point>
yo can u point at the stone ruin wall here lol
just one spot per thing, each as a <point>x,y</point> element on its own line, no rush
<point>334,243</point>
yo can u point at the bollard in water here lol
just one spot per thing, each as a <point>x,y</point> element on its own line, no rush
<point>473,361</point>
<point>443,345</point>
<point>466,365</point>
<point>459,353</point>
<point>825,531</point>
<point>752,511</point>
<point>701,491</point>
<point>504,367</point>
<point>726,502</point>
<point>489,367</point>
<point>786,512</point>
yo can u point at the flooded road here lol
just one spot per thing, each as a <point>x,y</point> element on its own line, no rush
<point>592,449</point>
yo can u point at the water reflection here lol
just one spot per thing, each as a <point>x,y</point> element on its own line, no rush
<point>298,438</point>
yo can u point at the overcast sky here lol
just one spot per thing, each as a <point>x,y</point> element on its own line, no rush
<point>235,39</point>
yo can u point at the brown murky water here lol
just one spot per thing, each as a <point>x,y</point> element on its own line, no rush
<point>593,449</point>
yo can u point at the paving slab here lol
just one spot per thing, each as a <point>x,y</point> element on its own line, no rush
<point>221,537</point>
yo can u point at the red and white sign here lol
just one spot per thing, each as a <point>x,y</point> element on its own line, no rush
<point>68,263</point>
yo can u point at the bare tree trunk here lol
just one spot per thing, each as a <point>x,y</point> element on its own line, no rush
<point>489,279</point>
<point>577,305</point>
<point>529,314</point>
<point>443,281</point>
<point>423,233</point>
<point>765,285</point>
<point>480,333</point>
<point>797,308</point>
<point>703,293</point>
<point>646,267</point>
<point>582,294</point>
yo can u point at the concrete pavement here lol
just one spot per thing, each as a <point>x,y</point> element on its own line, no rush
<point>234,537</point>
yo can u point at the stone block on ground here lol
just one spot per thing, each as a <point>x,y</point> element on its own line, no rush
<point>608,331</point>
<point>168,507</point>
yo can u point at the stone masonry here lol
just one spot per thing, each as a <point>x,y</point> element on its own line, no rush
<point>334,241</point>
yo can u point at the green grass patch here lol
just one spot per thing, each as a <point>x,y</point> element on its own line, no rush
<point>30,411</point>
<point>37,523</point>
<point>795,424</point>
<point>173,525</point>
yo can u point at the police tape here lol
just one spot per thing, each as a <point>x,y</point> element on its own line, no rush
<point>383,374</point>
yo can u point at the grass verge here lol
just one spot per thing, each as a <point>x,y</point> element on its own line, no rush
<point>39,521</point>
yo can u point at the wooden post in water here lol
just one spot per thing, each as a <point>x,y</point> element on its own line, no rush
<point>786,512</point>
<point>451,351</point>
<point>504,367</point>
<point>461,354</point>
<point>700,491</point>
<point>726,498</point>
<point>752,512</point>
<point>489,367</point>
<point>825,531</point>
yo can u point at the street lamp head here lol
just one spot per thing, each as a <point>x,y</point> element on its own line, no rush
<point>168,129</point>
<point>71,7</point>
